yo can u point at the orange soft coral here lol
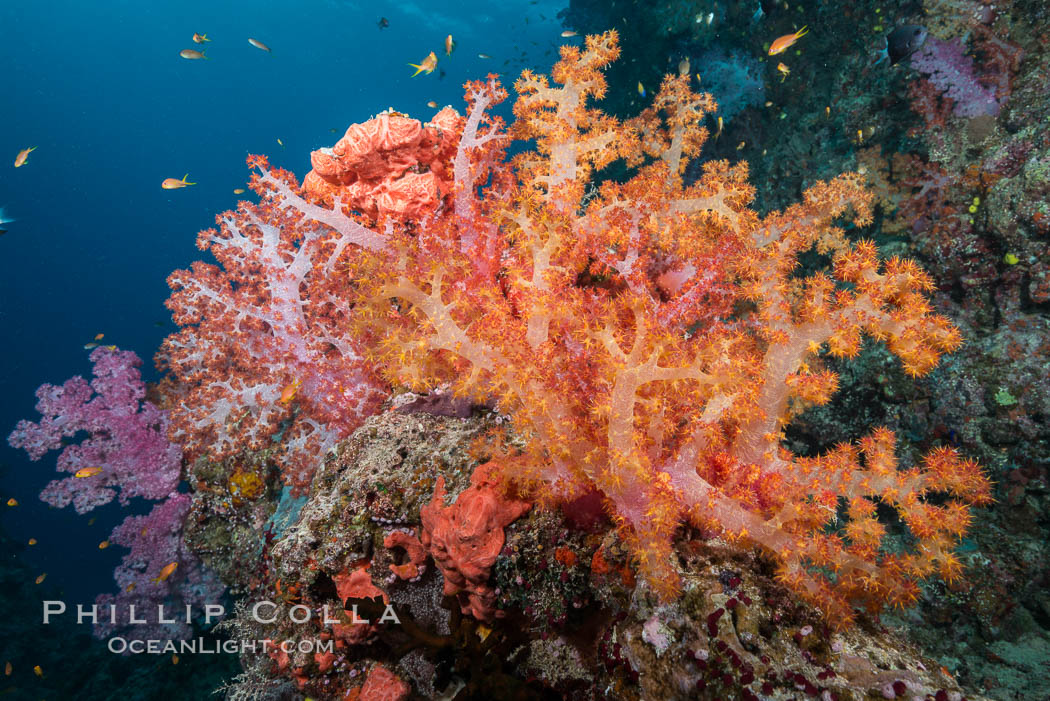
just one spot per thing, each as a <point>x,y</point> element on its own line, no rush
<point>651,340</point>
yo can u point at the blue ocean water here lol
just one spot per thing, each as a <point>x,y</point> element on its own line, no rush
<point>101,92</point>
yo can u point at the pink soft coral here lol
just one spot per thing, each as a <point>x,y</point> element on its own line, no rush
<point>155,541</point>
<point>265,350</point>
<point>127,436</point>
<point>128,442</point>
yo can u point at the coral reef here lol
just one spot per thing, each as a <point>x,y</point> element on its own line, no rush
<point>576,620</point>
<point>599,419</point>
<point>603,377</point>
<point>127,444</point>
<point>127,454</point>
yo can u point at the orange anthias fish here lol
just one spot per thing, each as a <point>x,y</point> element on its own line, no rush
<point>20,159</point>
<point>87,472</point>
<point>785,42</point>
<point>103,545</point>
<point>259,45</point>
<point>192,54</point>
<point>38,671</point>
<point>41,578</point>
<point>289,392</point>
<point>449,45</point>
<point>200,38</point>
<point>427,66</point>
<point>784,71</point>
<point>166,572</point>
<point>173,184</point>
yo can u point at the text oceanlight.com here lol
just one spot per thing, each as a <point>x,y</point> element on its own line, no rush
<point>211,647</point>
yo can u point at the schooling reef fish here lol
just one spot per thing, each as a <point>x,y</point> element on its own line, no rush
<point>20,159</point>
<point>166,572</point>
<point>259,45</point>
<point>289,392</point>
<point>383,23</point>
<point>427,65</point>
<point>782,44</point>
<point>449,45</point>
<point>200,38</point>
<point>192,54</point>
<point>173,184</point>
<point>905,40</point>
<point>4,220</point>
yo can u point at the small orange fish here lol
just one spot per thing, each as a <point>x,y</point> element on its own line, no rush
<point>173,184</point>
<point>200,38</point>
<point>192,54</point>
<point>782,44</point>
<point>289,392</point>
<point>432,104</point>
<point>38,671</point>
<point>238,191</point>
<point>32,541</point>
<point>130,587</point>
<point>87,472</point>
<point>8,669</point>
<point>259,45</point>
<point>784,71</point>
<point>174,659</point>
<point>41,578</point>
<point>12,502</point>
<point>103,545</point>
<point>99,336</point>
<point>20,159</point>
<point>427,65</point>
<point>449,45</point>
<point>166,572</point>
